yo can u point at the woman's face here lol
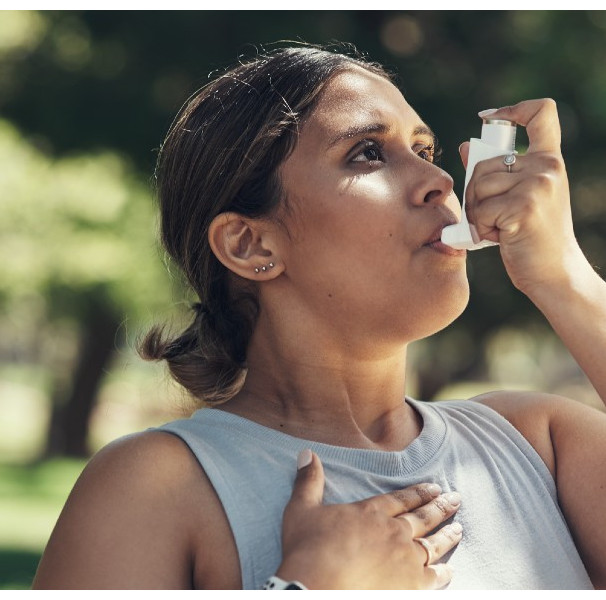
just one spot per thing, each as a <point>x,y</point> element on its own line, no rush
<point>369,207</point>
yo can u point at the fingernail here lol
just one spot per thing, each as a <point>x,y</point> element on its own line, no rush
<point>488,111</point>
<point>453,498</point>
<point>460,146</point>
<point>303,459</point>
<point>443,573</point>
<point>434,489</point>
<point>456,528</point>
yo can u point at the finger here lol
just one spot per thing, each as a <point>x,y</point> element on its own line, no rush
<point>491,179</point>
<point>401,501</point>
<point>437,576</point>
<point>426,518</point>
<point>540,117</point>
<point>497,166</point>
<point>308,489</point>
<point>444,540</point>
<point>498,184</point>
<point>487,217</point>
<point>425,549</point>
<point>507,214</point>
<point>464,153</point>
<point>485,187</point>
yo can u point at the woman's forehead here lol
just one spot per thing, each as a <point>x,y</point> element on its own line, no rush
<point>354,99</point>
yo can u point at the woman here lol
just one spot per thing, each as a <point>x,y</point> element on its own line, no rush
<point>299,196</point>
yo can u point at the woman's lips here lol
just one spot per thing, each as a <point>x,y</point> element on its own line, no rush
<point>435,242</point>
<point>442,248</point>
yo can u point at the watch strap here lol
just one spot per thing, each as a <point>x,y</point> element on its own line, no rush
<point>275,583</point>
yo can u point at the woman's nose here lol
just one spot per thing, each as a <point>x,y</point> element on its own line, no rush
<point>436,188</point>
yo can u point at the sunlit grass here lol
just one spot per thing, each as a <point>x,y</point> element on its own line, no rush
<point>32,494</point>
<point>31,498</point>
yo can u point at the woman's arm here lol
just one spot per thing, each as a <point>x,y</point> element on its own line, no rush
<point>528,212</point>
<point>127,524</point>
<point>570,437</point>
<point>576,309</point>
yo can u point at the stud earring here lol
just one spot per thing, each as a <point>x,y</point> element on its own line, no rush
<point>264,268</point>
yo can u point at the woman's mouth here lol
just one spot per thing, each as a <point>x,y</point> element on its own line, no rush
<point>435,243</point>
<point>442,248</point>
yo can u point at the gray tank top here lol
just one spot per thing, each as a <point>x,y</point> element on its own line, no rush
<point>514,535</point>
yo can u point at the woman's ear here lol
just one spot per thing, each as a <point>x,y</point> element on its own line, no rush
<point>245,246</point>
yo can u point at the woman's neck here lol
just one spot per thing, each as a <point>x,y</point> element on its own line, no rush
<point>320,393</point>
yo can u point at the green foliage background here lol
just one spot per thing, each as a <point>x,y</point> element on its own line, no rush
<point>85,98</point>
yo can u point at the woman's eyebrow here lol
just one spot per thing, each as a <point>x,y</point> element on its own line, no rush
<point>357,130</point>
<point>424,130</point>
<point>369,128</point>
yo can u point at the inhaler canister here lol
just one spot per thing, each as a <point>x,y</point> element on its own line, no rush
<point>500,134</point>
<point>497,139</point>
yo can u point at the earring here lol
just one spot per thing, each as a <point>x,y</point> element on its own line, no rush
<point>264,267</point>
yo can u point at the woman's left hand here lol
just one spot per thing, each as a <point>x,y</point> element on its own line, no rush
<point>527,210</point>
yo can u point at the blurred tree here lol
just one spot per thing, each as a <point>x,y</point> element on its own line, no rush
<point>78,234</point>
<point>87,81</point>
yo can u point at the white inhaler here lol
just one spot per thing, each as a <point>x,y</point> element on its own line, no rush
<point>498,138</point>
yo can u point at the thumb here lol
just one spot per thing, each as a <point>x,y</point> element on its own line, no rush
<point>464,152</point>
<point>309,483</point>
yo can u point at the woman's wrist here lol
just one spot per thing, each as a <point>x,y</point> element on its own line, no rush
<point>576,309</point>
<point>574,277</point>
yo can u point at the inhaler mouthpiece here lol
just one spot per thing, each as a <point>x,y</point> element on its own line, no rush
<point>497,139</point>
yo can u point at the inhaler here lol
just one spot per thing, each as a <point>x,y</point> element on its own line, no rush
<point>498,138</point>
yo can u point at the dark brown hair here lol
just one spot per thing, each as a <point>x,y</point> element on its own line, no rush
<point>222,153</point>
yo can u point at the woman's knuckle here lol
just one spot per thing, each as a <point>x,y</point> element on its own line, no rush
<point>550,162</point>
<point>400,496</point>
<point>402,531</point>
<point>423,494</point>
<point>442,505</point>
<point>368,509</point>
<point>423,514</point>
<point>550,104</point>
<point>405,526</point>
<point>449,534</point>
<point>541,183</point>
<point>437,548</point>
<point>527,209</point>
<point>557,164</point>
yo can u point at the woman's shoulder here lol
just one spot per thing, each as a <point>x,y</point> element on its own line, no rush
<point>139,465</point>
<point>137,510</point>
<point>138,455</point>
<point>162,478</point>
<point>532,414</point>
<point>528,411</point>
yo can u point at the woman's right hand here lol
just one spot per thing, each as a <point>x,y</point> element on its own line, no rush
<point>370,544</point>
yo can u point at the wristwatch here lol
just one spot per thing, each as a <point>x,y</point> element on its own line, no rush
<point>275,583</point>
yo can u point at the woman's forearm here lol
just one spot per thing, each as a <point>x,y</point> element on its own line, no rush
<point>576,309</point>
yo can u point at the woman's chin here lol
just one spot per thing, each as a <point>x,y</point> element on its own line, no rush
<point>450,307</point>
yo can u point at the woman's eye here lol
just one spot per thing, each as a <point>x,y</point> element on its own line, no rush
<point>426,153</point>
<point>430,153</point>
<point>370,152</point>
